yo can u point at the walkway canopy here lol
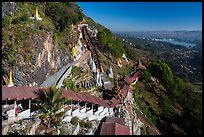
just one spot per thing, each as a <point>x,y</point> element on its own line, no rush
<point>22,92</point>
<point>19,93</point>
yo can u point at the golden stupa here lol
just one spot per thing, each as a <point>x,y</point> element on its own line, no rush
<point>74,51</point>
<point>36,16</point>
<point>119,61</point>
<point>10,82</point>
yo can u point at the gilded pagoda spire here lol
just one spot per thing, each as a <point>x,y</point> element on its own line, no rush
<point>10,82</point>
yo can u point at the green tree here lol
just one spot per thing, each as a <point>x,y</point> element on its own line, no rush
<point>177,88</point>
<point>50,103</point>
<point>63,14</point>
<point>110,44</point>
<point>162,71</point>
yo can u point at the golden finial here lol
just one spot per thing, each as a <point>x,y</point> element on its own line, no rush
<point>36,12</point>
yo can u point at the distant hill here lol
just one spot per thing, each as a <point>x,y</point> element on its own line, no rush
<point>186,36</point>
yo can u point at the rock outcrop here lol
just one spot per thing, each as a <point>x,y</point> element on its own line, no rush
<point>8,8</point>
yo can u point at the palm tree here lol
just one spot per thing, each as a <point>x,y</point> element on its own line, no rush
<point>51,102</point>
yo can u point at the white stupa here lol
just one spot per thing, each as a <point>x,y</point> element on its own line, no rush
<point>92,65</point>
<point>98,79</point>
<point>110,73</point>
<point>124,57</point>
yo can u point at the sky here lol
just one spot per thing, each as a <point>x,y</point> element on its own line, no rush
<point>145,16</point>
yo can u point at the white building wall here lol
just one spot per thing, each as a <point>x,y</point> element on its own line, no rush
<point>104,112</point>
<point>75,112</point>
<point>98,112</point>
<point>68,112</point>
<point>24,114</point>
<point>11,114</point>
<point>90,112</point>
<point>83,110</point>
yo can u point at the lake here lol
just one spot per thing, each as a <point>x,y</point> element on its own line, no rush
<point>172,41</point>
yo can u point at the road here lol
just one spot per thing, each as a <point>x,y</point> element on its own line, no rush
<point>52,80</point>
<point>58,77</point>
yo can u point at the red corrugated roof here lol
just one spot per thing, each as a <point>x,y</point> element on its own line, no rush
<point>114,129</point>
<point>130,80</point>
<point>84,97</point>
<point>121,130</point>
<point>70,95</point>
<point>29,92</point>
<point>19,93</point>
<point>113,102</point>
<point>136,74</point>
<point>118,120</point>
<point>125,90</point>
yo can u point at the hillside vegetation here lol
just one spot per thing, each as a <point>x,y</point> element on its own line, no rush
<point>167,101</point>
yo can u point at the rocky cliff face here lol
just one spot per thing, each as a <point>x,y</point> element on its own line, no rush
<point>45,59</point>
<point>8,8</point>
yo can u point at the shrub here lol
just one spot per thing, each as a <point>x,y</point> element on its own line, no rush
<point>82,124</point>
<point>16,21</point>
<point>74,120</point>
<point>75,70</point>
<point>88,124</point>
<point>69,84</point>
<point>146,76</point>
<point>25,17</point>
<point>5,36</point>
<point>167,107</point>
<point>6,21</point>
<point>27,57</point>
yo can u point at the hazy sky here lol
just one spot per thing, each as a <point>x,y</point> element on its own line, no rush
<point>145,16</point>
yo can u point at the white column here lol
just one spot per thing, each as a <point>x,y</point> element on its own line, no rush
<point>92,107</point>
<point>85,106</point>
<point>29,105</point>
<point>78,105</point>
<point>71,107</point>
<point>15,105</point>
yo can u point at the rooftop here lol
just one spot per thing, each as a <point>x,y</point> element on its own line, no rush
<point>114,129</point>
